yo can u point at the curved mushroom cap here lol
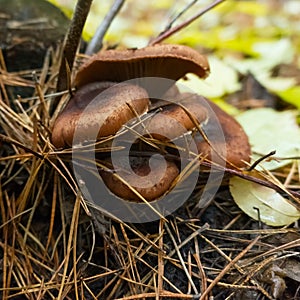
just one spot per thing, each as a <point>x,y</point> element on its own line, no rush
<point>236,150</point>
<point>149,183</point>
<point>166,61</point>
<point>109,108</point>
<point>175,119</point>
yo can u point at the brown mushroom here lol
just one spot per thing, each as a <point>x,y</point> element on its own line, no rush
<point>110,106</point>
<point>171,122</point>
<point>226,136</point>
<point>175,119</point>
<point>149,183</point>
<point>236,151</point>
<point>162,60</point>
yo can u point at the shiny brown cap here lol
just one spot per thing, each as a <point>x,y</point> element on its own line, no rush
<point>162,60</point>
<point>236,151</point>
<point>176,119</point>
<point>110,107</point>
<point>150,184</point>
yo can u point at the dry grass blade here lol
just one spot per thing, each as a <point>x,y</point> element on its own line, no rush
<point>200,267</point>
<point>160,261</point>
<point>227,268</point>
<point>181,260</point>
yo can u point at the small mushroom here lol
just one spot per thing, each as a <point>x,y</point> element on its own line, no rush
<point>150,180</point>
<point>173,121</point>
<point>162,60</point>
<point>176,119</point>
<point>110,107</point>
<point>236,151</point>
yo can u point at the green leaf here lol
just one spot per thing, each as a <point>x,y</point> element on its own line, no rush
<point>291,95</point>
<point>270,130</point>
<point>68,11</point>
<point>221,38</point>
<point>260,202</point>
<point>230,109</point>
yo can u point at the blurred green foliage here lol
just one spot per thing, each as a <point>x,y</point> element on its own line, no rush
<point>249,36</point>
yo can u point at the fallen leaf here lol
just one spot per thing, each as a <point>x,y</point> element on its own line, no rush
<point>222,80</point>
<point>270,130</point>
<point>260,202</point>
<point>282,53</point>
<point>252,8</point>
<point>276,52</point>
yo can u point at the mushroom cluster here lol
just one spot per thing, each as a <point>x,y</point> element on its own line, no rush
<point>103,84</point>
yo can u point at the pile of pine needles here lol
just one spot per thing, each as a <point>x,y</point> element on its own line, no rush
<point>53,246</point>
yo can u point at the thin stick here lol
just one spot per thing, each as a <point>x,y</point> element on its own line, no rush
<point>71,44</point>
<point>160,257</point>
<point>179,15</point>
<point>202,274</point>
<point>252,167</point>
<point>97,41</point>
<point>245,175</point>
<point>70,245</point>
<point>171,31</point>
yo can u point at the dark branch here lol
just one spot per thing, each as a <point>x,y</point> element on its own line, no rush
<point>253,166</point>
<point>71,43</point>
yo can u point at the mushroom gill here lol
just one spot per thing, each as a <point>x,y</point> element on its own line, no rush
<point>162,60</point>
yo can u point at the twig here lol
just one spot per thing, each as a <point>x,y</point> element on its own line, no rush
<point>254,179</point>
<point>71,44</point>
<point>171,31</point>
<point>96,42</point>
<point>202,274</point>
<point>252,167</point>
<point>179,15</point>
<point>214,167</point>
<point>160,257</point>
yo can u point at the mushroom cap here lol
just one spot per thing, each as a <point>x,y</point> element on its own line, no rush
<point>162,60</point>
<point>149,183</point>
<point>236,150</point>
<point>175,119</point>
<point>106,106</point>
